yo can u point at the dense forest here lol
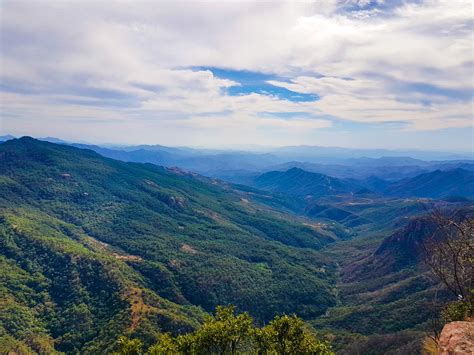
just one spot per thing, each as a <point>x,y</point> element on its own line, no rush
<point>99,255</point>
<point>227,333</point>
<point>93,248</point>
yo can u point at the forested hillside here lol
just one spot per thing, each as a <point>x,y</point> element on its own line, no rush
<point>437,184</point>
<point>93,248</point>
<point>300,183</point>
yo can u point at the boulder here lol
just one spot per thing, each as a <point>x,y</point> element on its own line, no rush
<point>457,338</point>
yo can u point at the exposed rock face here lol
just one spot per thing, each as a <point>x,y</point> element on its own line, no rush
<point>457,338</point>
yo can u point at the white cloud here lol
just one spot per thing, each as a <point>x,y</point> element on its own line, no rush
<point>128,61</point>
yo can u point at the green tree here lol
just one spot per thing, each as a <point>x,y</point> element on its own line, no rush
<point>289,336</point>
<point>224,333</point>
<point>186,343</point>
<point>128,346</point>
<point>166,345</point>
<point>228,333</point>
<point>263,340</point>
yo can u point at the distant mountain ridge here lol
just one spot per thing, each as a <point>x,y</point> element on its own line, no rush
<point>333,161</point>
<point>415,177</point>
<point>318,152</point>
<point>300,183</point>
<point>6,138</point>
<point>437,184</point>
<point>376,167</point>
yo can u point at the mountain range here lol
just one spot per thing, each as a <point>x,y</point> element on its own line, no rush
<point>300,183</point>
<point>239,166</point>
<point>92,248</point>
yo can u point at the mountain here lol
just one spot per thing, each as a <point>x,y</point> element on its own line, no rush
<point>243,166</point>
<point>397,251</point>
<point>92,247</point>
<point>6,138</point>
<point>436,184</point>
<point>301,183</point>
<point>387,161</point>
<point>53,140</point>
<point>404,246</point>
<point>159,148</point>
<point>386,293</point>
<point>316,154</point>
<point>155,156</point>
<point>439,184</point>
<point>390,169</point>
<point>210,163</point>
<point>237,166</point>
<point>335,213</point>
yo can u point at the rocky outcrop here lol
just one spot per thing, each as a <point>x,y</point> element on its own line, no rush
<point>457,338</point>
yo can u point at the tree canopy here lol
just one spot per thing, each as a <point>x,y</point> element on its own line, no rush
<point>230,333</point>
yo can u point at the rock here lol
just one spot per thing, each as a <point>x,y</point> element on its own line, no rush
<point>457,338</point>
<point>176,202</point>
<point>150,183</point>
<point>188,249</point>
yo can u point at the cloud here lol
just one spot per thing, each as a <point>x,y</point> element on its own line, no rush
<point>172,69</point>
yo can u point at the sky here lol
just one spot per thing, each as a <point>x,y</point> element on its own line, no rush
<point>352,73</point>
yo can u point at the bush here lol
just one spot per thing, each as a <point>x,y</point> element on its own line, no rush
<point>457,311</point>
<point>227,333</point>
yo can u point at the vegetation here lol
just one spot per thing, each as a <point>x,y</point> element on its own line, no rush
<point>227,333</point>
<point>449,254</point>
<point>92,248</point>
<point>388,299</point>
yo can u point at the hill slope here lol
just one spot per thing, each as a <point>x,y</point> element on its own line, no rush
<point>301,183</point>
<point>133,248</point>
<point>436,184</point>
<point>200,161</point>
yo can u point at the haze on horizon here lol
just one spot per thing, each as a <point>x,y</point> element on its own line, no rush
<point>352,73</point>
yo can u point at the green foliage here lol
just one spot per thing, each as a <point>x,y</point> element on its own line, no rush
<point>128,346</point>
<point>407,342</point>
<point>287,335</point>
<point>167,345</point>
<point>97,247</point>
<point>91,248</point>
<point>227,333</point>
<point>457,311</point>
<point>52,286</point>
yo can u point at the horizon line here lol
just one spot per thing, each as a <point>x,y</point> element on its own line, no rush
<point>235,147</point>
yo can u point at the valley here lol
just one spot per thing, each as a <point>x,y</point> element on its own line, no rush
<point>93,248</point>
<point>236,177</point>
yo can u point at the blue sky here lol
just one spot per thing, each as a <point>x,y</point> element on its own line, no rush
<point>353,73</point>
<point>248,82</point>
